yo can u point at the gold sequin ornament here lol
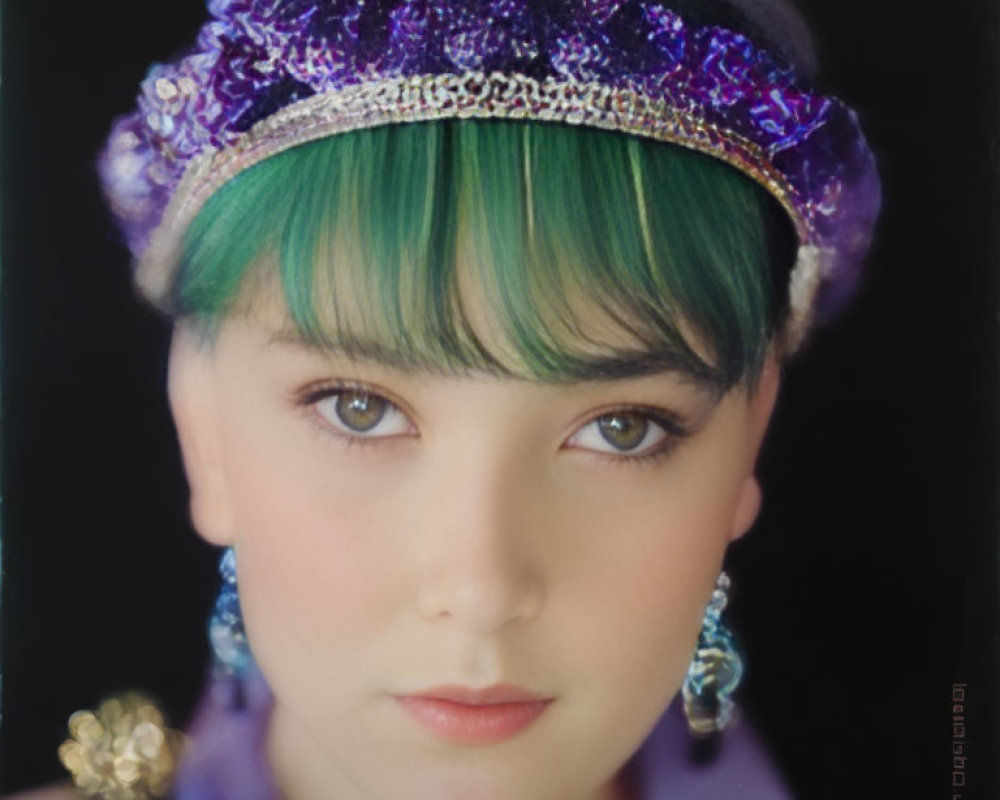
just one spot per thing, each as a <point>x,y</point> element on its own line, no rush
<point>124,751</point>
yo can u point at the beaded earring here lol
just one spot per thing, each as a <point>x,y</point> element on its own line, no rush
<point>715,670</point>
<point>225,628</point>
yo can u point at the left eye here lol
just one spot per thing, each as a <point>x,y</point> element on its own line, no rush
<point>621,432</point>
<point>355,412</point>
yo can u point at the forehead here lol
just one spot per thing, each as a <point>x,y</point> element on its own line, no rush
<point>581,340</point>
<point>251,360</point>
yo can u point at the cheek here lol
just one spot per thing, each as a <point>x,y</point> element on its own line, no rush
<point>645,560</point>
<point>316,572</point>
<point>645,595</point>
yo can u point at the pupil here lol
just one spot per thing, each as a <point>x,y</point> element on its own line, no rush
<point>360,411</point>
<point>623,431</point>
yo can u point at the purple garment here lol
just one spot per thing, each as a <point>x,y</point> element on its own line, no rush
<point>228,760</point>
<point>671,765</point>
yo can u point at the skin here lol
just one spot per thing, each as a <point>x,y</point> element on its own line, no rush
<point>490,534</point>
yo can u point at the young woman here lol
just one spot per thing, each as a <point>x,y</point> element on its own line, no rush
<point>479,311</point>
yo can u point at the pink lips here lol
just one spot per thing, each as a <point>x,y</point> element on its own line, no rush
<point>474,716</point>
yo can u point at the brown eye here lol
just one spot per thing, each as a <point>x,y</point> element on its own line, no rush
<point>628,434</point>
<point>360,411</point>
<point>356,413</point>
<point>623,431</point>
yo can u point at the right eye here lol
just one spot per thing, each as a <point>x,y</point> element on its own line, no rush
<point>359,413</point>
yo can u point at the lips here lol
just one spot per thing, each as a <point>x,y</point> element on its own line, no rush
<point>474,716</point>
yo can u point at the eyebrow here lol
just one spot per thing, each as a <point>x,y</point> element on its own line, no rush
<point>612,367</point>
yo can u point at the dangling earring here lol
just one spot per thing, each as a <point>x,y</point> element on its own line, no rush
<point>225,628</point>
<point>715,670</point>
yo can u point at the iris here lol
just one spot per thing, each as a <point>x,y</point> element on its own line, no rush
<point>360,411</point>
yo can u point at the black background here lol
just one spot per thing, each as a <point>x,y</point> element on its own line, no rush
<point>869,586</point>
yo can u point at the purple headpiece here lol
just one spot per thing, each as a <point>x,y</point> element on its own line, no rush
<point>267,75</point>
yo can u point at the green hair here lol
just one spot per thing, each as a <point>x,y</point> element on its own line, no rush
<point>495,246</point>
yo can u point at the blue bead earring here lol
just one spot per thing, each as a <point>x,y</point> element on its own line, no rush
<point>715,670</point>
<point>225,628</point>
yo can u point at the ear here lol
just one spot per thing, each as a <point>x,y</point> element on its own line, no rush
<point>192,401</point>
<point>761,407</point>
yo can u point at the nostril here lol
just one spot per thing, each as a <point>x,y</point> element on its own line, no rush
<point>481,598</point>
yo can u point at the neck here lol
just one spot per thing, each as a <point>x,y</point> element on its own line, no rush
<point>301,768</point>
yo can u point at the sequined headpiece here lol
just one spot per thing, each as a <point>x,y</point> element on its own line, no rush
<point>267,75</point>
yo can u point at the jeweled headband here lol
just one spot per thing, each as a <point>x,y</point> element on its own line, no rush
<point>267,75</point>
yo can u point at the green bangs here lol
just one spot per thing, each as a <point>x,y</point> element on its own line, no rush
<point>520,249</point>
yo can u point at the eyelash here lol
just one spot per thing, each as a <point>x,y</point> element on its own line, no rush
<point>307,398</point>
<point>676,432</point>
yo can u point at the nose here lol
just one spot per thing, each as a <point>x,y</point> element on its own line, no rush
<point>483,564</point>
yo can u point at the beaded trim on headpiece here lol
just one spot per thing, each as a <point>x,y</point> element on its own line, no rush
<point>267,75</point>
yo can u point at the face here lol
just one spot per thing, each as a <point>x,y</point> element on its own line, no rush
<point>461,587</point>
